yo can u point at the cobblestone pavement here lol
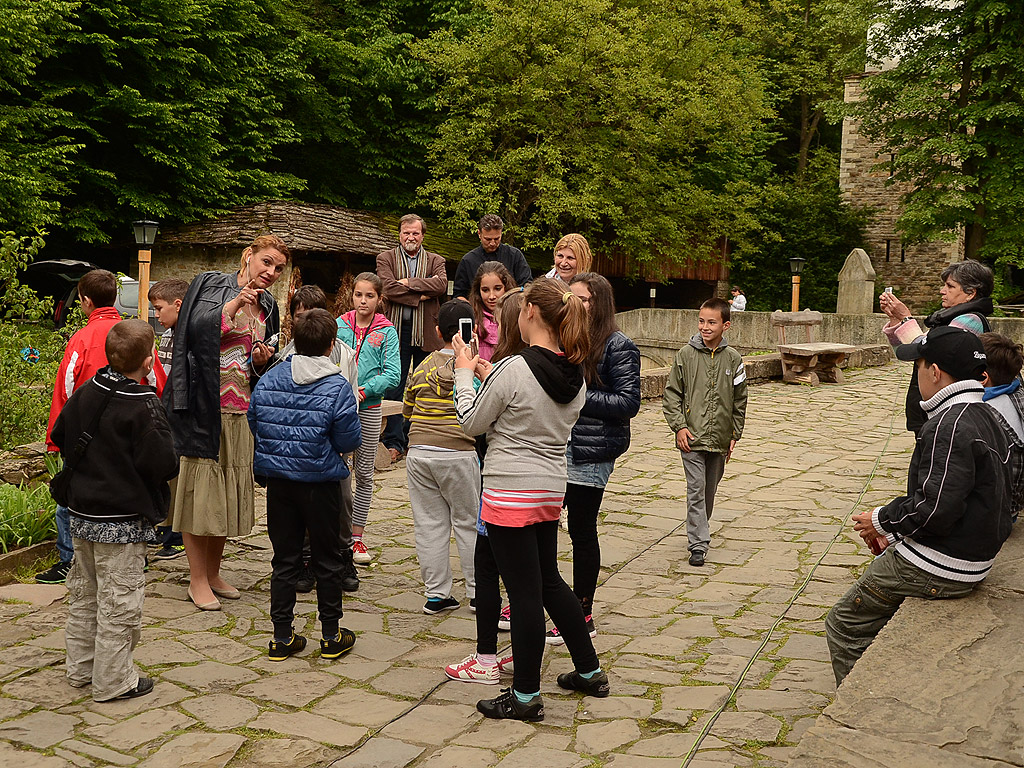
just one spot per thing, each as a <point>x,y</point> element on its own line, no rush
<point>673,638</point>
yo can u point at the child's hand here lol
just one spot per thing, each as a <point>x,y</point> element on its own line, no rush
<point>260,353</point>
<point>863,525</point>
<point>732,447</point>
<point>483,369</point>
<point>361,394</point>
<point>683,438</point>
<point>463,356</point>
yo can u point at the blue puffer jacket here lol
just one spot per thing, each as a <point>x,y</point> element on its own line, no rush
<point>602,430</point>
<point>303,416</point>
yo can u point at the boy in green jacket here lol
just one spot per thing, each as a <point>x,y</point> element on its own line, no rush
<point>705,404</point>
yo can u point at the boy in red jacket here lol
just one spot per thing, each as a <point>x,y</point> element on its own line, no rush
<point>84,356</point>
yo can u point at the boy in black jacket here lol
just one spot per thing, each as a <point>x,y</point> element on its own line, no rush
<point>941,539</point>
<point>117,492</point>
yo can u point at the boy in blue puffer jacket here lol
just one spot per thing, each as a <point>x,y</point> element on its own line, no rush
<point>303,416</point>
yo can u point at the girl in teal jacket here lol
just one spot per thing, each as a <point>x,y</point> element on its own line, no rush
<point>375,342</point>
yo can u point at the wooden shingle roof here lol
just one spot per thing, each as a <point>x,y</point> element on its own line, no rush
<point>311,227</point>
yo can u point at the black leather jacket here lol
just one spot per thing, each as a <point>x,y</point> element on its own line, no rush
<point>602,430</point>
<point>192,395</point>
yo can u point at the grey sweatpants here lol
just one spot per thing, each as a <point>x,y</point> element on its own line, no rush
<point>444,490</point>
<point>106,587</point>
<point>704,471</point>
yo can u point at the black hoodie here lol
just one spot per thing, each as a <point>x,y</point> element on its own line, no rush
<point>556,375</point>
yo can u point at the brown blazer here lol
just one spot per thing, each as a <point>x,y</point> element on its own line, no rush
<point>399,295</point>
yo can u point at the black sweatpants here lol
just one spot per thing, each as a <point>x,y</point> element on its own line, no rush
<point>488,596</point>
<point>346,519</point>
<point>527,560</point>
<point>293,509</point>
<point>583,502</point>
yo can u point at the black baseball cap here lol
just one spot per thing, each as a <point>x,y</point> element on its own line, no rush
<point>956,351</point>
<point>449,315</point>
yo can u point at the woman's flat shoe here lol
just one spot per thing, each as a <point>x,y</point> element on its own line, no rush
<point>227,594</point>
<point>211,606</point>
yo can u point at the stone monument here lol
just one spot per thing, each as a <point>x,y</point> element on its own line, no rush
<point>856,285</point>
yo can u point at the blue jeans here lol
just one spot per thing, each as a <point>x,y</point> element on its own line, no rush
<point>396,433</point>
<point>64,546</point>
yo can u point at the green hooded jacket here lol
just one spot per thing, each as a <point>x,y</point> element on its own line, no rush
<point>707,393</point>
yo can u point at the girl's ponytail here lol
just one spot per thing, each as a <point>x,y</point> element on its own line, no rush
<point>563,312</point>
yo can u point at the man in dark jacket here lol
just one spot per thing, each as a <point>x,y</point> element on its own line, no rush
<point>303,416</point>
<point>491,249</point>
<point>116,492</point>
<point>941,539</point>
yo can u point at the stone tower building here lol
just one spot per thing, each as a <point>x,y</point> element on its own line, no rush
<point>912,269</point>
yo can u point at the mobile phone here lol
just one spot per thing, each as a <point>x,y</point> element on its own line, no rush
<point>466,329</point>
<point>889,289</point>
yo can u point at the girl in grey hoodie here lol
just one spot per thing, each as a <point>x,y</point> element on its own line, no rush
<point>527,406</point>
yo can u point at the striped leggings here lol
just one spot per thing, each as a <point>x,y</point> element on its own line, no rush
<point>369,421</point>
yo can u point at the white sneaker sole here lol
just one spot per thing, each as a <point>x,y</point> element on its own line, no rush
<point>484,681</point>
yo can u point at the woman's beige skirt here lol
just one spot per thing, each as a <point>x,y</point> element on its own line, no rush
<point>216,498</point>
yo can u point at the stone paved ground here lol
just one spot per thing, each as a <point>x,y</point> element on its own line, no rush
<point>673,638</point>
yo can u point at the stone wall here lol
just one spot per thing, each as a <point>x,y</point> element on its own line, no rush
<point>912,270</point>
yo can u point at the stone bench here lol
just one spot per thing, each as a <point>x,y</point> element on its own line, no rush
<point>810,361</point>
<point>940,687</point>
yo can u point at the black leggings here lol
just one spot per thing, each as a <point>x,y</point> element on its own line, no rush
<point>583,503</point>
<point>488,597</point>
<point>527,558</point>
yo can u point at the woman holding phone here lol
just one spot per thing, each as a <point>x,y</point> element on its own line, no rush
<point>220,347</point>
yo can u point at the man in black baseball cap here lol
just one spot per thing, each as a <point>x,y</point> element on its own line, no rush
<point>940,540</point>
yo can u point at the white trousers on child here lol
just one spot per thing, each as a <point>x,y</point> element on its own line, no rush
<point>444,490</point>
<point>704,471</point>
<point>106,586</point>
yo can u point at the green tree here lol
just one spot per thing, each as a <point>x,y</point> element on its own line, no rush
<point>34,161</point>
<point>803,217</point>
<point>174,105</point>
<point>951,113</point>
<point>636,124</point>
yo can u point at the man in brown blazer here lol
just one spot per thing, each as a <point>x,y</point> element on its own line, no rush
<point>414,279</point>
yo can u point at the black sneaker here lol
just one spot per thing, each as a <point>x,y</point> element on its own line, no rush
<point>306,580</point>
<point>332,649</point>
<point>508,707</point>
<point>167,552</point>
<point>55,574</point>
<point>595,686</point>
<point>437,605</point>
<point>144,686</point>
<point>281,651</point>
<point>697,558</point>
<point>349,575</point>
<point>472,604</point>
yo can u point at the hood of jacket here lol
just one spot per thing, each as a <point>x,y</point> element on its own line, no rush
<point>306,370</point>
<point>697,342</point>
<point>440,374</point>
<point>378,321</point>
<point>556,375</point>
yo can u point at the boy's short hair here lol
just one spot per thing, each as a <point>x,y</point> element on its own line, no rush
<point>1005,358</point>
<point>313,332</point>
<point>449,315</point>
<point>170,290</point>
<point>128,344</point>
<point>100,286</point>
<point>309,296</point>
<point>719,305</point>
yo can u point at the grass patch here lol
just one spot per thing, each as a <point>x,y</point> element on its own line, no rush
<point>27,516</point>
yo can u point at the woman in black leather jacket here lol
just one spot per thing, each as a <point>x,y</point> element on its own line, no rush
<point>601,434</point>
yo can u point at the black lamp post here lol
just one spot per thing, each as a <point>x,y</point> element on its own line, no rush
<point>145,236</point>
<point>796,266</point>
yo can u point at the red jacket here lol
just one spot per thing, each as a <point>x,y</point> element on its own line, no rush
<point>84,356</point>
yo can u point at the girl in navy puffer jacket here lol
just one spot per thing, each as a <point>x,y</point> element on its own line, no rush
<point>600,436</point>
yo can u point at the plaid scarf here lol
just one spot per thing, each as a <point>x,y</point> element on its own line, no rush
<point>395,309</point>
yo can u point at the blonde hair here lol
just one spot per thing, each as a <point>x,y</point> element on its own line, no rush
<point>581,249</point>
<point>564,313</point>
<point>261,243</point>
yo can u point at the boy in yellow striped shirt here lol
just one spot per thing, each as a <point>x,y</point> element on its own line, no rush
<point>443,470</point>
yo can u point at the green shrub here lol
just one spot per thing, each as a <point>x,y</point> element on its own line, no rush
<point>27,516</point>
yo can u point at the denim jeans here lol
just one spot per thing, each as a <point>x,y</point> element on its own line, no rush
<point>65,548</point>
<point>861,613</point>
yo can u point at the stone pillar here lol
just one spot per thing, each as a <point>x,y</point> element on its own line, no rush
<point>856,285</point>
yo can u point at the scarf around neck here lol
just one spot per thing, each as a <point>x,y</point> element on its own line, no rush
<point>395,310</point>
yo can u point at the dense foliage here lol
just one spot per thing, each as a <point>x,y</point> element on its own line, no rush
<point>952,115</point>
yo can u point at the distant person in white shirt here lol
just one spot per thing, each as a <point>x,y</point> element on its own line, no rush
<point>738,300</point>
